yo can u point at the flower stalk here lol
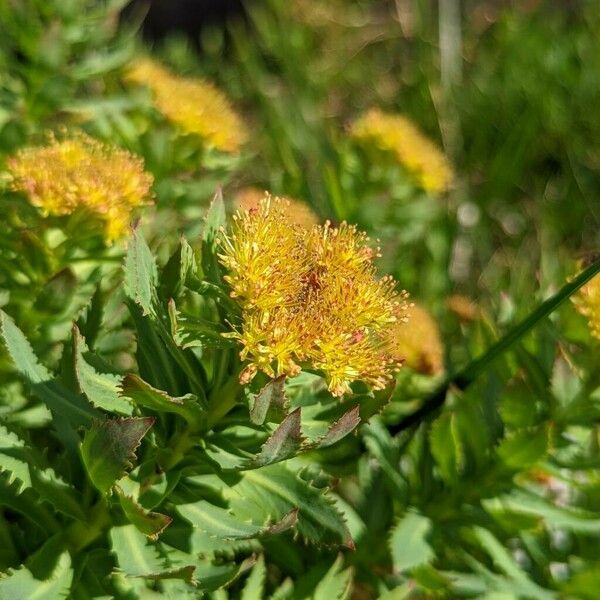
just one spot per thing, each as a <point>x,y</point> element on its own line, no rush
<point>462,379</point>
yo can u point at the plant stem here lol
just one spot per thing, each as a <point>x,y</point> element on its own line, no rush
<point>184,442</point>
<point>80,535</point>
<point>222,401</point>
<point>466,376</point>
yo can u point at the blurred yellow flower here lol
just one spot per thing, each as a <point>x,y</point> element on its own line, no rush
<point>309,297</point>
<point>587,302</point>
<point>463,307</point>
<point>194,105</point>
<point>298,212</point>
<point>417,342</point>
<point>398,135</point>
<point>80,172</point>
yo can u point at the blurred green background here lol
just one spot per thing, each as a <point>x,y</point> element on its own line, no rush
<point>504,485</point>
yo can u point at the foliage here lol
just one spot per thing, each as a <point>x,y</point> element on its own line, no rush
<point>134,462</point>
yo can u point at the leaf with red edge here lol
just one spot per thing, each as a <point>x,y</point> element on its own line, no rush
<point>283,443</point>
<point>270,403</point>
<point>108,448</point>
<point>340,429</point>
<point>150,523</point>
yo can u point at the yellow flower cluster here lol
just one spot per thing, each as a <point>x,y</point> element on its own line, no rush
<point>196,106</point>
<point>587,302</point>
<point>81,173</point>
<point>298,212</point>
<point>398,135</point>
<point>309,297</point>
<point>418,342</point>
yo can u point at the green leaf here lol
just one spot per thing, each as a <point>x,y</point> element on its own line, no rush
<point>518,405</point>
<point>460,438</point>
<point>25,503</point>
<point>566,384</point>
<point>437,582</point>
<point>101,389</point>
<point>522,503</point>
<point>503,561</point>
<point>370,404</point>
<point>93,576</point>
<point>220,523</point>
<point>57,293</point>
<point>254,587</point>
<point>402,592</point>
<point>408,542</point>
<point>322,412</point>
<point>59,400</point>
<point>51,488</point>
<point>498,553</point>
<point>213,576</point>
<point>109,447</point>
<point>89,323</point>
<point>47,576</point>
<point>283,443</point>
<point>347,423</point>
<point>192,332</point>
<point>447,447</point>
<point>149,523</point>
<point>274,491</point>
<point>141,275</point>
<point>221,448</point>
<point>237,450</point>
<point>143,394</point>
<point>13,459</point>
<point>585,583</point>
<point>22,464</point>
<point>336,584</point>
<point>524,448</point>
<point>215,219</point>
<point>384,449</point>
<point>155,361</point>
<point>137,557</point>
<point>180,266</point>
<point>284,592</point>
<point>270,402</point>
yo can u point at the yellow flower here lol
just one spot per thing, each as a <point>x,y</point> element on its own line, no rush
<point>587,302</point>
<point>194,105</point>
<point>264,256</point>
<point>80,172</point>
<point>309,297</point>
<point>415,152</point>
<point>298,212</point>
<point>417,342</point>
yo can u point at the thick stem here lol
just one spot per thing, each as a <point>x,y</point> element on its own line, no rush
<point>465,377</point>
<point>221,401</point>
<point>179,449</point>
<point>80,535</point>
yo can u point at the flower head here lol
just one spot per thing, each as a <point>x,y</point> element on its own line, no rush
<point>416,153</point>
<point>417,342</point>
<point>264,256</point>
<point>196,106</point>
<point>80,172</point>
<point>298,212</point>
<point>309,297</point>
<point>587,302</point>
